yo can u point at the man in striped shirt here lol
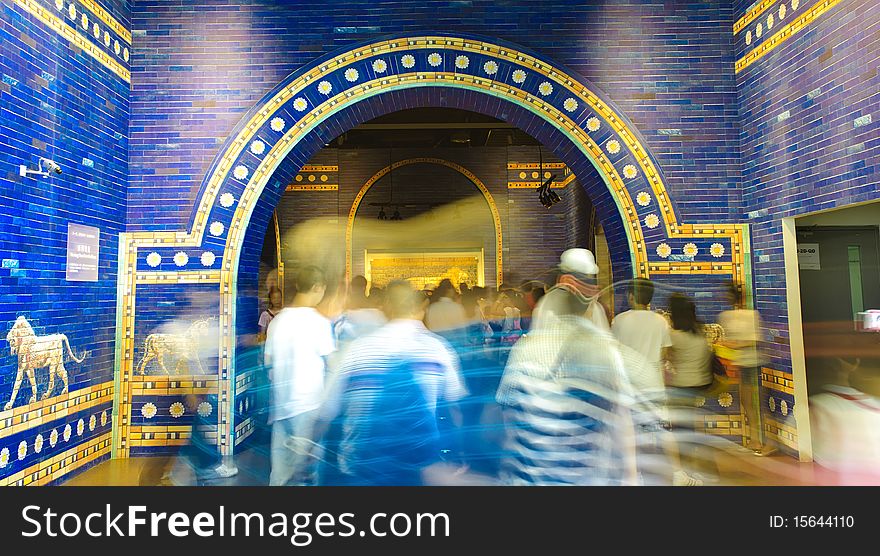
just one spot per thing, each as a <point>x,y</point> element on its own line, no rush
<point>566,398</point>
<point>388,389</point>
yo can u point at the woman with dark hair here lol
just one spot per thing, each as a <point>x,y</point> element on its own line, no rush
<point>690,355</point>
<point>274,306</point>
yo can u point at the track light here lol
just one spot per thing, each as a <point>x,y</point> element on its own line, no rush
<point>382,214</point>
<point>396,215</point>
<point>547,196</point>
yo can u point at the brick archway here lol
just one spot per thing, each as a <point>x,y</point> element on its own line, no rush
<point>338,91</point>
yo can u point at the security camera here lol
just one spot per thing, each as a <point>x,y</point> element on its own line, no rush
<point>43,168</point>
<point>51,165</point>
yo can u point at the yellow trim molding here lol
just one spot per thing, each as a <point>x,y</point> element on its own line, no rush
<point>785,33</point>
<point>71,34</point>
<point>751,15</point>
<point>56,467</point>
<point>108,19</point>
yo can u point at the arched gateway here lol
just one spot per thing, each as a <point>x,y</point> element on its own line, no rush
<point>339,91</point>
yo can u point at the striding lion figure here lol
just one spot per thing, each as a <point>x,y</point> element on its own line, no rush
<point>35,352</point>
<point>183,347</point>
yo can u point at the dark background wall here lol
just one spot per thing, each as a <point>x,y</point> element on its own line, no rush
<point>201,64</point>
<point>533,236</point>
<point>57,101</point>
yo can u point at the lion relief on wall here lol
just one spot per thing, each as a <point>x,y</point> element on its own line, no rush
<point>35,352</point>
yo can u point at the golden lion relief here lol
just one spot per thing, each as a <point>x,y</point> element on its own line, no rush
<point>35,352</point>
<point>183,347</point>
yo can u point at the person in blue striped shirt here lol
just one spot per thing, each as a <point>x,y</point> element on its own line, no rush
<point>388,390</point>
<point>566,398</point>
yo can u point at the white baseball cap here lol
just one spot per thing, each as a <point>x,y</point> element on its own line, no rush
<point>578,260</point>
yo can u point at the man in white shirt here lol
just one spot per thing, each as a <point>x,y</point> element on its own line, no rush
<point>445,313</point>
<point>299,339</point>
<point>646,332</point>
<point>387,390</point>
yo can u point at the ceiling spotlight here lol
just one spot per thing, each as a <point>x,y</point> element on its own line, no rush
<point>460,137</point>
<point>396,215</point>
<point>382,214</point>
<point>547,196</point>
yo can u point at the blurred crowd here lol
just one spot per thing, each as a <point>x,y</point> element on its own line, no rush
<point>533,384</point>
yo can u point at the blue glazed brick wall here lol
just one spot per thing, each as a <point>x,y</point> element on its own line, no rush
<point>201,65</point>
<point>803,148</point>
<point>58,102</point>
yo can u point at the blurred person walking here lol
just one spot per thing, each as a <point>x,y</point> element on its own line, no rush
<point>388,390</point>
<point>359,318</point>
<point>199,461</point>
<point>844,421</point>
<point>566,398</point>
<point>578,273</point>
<point>445,312</point>
<point>743,334</point>
<point>689,376</point>
<point>647,334</point>
<point>299,341</point>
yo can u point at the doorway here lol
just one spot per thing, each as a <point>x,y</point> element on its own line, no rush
<point>839,271</point>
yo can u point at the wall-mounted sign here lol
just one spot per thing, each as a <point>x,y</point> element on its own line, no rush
<point>808,256</point>
<point>82,253</point>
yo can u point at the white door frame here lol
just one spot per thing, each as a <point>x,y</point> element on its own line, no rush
<point>796,340</point>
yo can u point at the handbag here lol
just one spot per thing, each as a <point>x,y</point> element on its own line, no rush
<point>720,380</point>
<point>717,366</point>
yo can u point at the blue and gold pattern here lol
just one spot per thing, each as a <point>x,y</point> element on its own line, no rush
<point>797,20</point>
<point>311,97</point>
<point>99,35</point>
<point>316,178</point>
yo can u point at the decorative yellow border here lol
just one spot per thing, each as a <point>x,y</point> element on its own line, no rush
<point>536,166</point>
<point>784,34</point>
<point>720,424</point>
<point>313,169</point>
<point>321,187</point>
<point>179,277</point>
<point>56,467</point>
<point>71,34</point>
<point>751,15</point>
<point>782,433</point>
<point>318,168</point>
<point>166,435</point>
<point>777,380</point>
<point>244,430</point>
<point>24,417</point>
<point>160,385</point>
<point>108,19</point>
<point>536,184</point>
<point>245,381</point>
<point>278,258</point>
<point>496,217</point>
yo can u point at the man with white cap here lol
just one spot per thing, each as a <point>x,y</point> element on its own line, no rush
<point>565,393</point>
<point>578,271</point>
